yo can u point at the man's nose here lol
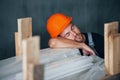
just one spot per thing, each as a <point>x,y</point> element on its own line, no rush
<point>73,33</point>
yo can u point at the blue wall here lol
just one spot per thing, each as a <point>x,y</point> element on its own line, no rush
<point>89,15</point>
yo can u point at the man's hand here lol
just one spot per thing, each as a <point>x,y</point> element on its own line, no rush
<point>87,50</point>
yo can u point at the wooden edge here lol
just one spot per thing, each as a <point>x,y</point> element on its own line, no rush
<point>105,78</point>
<point>25,27</point>
<point>16,44</point>
<point>111,54</point>
<point>116,53</point>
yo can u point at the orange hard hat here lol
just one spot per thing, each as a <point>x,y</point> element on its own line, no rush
<point>56,23</point>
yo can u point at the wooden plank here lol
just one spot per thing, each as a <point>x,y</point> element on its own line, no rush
<point>109,28</point>
<point>24,31</point>
<point>111,54</point>
<point>36,72</point>
<point>16,44</point>
<point>31,59</point>
<point>116,54</point>
<point>112,77</point>
<point>105,78</point>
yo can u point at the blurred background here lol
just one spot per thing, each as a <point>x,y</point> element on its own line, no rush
<point>88,15</point>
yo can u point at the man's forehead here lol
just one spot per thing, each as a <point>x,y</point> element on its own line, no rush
<point>66,29</point>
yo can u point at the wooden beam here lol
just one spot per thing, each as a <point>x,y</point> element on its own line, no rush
<point>32,70</point>
<point>105,78</point>
<point>36,72</point>
<point>111,54</point>
<point>116,57</point>
<point>16,44</point>
<point>109,30</point>
<point>24,31</point>
<point>114,54</point>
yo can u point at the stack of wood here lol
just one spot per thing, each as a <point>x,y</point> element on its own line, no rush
<point>24,32</point>
<point>28,47</point>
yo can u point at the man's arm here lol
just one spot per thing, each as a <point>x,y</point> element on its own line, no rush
<point>60,42</point>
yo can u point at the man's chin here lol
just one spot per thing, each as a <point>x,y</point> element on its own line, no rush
<point>79,40</point>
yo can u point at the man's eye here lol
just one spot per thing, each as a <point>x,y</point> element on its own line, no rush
<point>72,27</point>
<point>67,35</point>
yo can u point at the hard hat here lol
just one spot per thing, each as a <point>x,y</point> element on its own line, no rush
<point>56,23</point>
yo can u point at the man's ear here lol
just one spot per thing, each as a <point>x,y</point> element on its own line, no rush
<point>59,36</point>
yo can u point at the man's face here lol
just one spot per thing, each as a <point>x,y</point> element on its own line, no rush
<point>73,33</point>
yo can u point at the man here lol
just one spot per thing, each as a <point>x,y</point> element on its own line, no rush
<point>64,34</point>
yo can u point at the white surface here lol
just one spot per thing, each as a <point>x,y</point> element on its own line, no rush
<point>60,64</point>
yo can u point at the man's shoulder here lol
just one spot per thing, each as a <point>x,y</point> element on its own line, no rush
<point>96,34</point>
<point>97,37</point>
<point>93,34</point>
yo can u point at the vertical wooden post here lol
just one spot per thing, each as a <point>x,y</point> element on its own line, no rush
<point>116,54</point>
<point>115,64</point>
<point>111,54</point>
<point>109,30</point>
<point>16,44</point>
<point>24,31</point>
<point>32,70</point>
